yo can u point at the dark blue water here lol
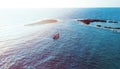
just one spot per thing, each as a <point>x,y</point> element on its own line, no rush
<point>78,47</point>
<point>97,13</point>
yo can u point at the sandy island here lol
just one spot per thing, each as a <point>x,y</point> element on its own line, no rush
<point>46,21</point>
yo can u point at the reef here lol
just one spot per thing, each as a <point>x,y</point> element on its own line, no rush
<point>88,21</point>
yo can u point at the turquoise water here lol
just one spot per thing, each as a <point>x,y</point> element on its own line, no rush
<point>79,46</point>
<point>97,13</point>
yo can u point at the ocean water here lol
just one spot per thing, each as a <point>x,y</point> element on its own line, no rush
<point>97,13</point>
<point>79,46</point>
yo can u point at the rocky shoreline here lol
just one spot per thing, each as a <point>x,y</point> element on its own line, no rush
<point>89,21</point>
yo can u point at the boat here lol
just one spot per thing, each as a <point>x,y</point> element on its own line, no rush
<point>56,36</point>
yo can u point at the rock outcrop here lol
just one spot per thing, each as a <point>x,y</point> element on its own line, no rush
<point>88,21</point>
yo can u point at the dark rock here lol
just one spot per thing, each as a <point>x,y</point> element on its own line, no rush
<point>108,27</point>
<point>98,25</point>
<point>110,21</point>
<point>117,28</point>
<point>88,21</point>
